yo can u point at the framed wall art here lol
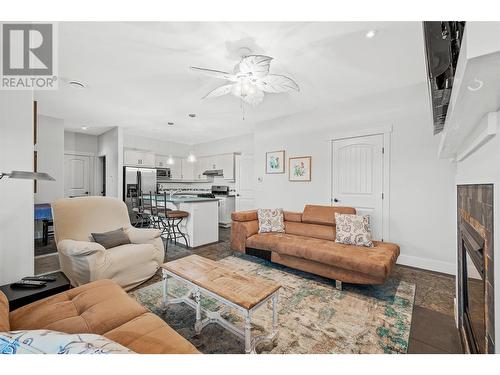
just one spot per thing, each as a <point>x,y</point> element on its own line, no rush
<point>299,168</point>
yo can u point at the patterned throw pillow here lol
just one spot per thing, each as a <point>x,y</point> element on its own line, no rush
<point>271,220</point>
<point>353,230</point>
<point>53,342</point>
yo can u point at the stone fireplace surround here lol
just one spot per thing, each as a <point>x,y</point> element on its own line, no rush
<point>475,237</point>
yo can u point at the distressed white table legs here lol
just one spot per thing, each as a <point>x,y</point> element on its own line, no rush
<point>198,325</point>
<point>275,312</point>
<point>248,333</point>
<point>165,288</point>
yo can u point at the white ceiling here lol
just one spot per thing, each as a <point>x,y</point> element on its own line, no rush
<point>138,77</point>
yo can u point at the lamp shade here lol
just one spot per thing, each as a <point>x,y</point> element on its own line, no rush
<point>23,175</point>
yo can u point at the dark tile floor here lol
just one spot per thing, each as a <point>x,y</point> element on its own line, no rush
<point>433,328</point>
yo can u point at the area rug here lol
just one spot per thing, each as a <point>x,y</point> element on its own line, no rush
<point>314,317</point>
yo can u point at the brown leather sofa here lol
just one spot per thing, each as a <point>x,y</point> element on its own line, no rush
<point>308,244</point>
<point>101,307</point>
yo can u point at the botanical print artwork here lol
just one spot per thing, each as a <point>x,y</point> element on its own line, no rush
<point>300,168</point>
<point>275,162</point>
<point>313,316</point>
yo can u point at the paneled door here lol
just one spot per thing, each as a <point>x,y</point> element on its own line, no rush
<point>245,189</point>
<point>357,177</point>
<point>77,176</point>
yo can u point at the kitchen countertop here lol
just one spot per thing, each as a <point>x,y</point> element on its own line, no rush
<point>182,198</point>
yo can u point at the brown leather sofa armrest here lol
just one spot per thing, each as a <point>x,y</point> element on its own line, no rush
<point>244,215</point>
<point>240,231</point>
<point>292,216</point>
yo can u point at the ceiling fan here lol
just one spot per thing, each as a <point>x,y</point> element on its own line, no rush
<point>249,80</point>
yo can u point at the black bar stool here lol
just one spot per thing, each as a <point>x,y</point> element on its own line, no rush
<point>171,220</point>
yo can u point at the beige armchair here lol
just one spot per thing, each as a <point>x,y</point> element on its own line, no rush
<point>83,260</point>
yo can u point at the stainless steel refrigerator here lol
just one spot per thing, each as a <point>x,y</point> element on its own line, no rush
<point>137,181</point>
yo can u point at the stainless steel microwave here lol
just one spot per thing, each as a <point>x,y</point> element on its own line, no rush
<point>163,173</point>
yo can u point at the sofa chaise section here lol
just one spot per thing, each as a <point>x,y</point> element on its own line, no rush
<point>308,244</point>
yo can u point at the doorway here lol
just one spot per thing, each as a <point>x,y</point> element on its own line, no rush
<point>359,181</point>
<point>101,175</point>
<point>77,175</point>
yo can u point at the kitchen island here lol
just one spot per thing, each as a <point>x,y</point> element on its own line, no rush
<point>202,225</point>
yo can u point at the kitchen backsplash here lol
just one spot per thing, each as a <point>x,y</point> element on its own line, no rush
<point>202,187</point>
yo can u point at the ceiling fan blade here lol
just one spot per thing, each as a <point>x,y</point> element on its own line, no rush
<point>258,65</point>
<point>214,73</point>
<point>219,91</point>
<point>275,83</point>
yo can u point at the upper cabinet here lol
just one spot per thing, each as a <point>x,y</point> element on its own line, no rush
<point>139,158</point>
<point>187,169</point>
<point>226,163</point>
<point>161,161</point>
<point>176,169</point>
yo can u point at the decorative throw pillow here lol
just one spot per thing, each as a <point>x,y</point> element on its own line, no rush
<point>271,220</point>
<point>52,342</point>
<point>353,230</point>
<point>111,239</point>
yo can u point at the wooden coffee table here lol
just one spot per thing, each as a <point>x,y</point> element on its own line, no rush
<point>241,292</point>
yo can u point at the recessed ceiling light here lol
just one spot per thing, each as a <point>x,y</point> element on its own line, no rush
<point>370,34</point>
<point>192,115</point>
<point>170,123</point>
<point>76,84</point>
<point>85,127</point>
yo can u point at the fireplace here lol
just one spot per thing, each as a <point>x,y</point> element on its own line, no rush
<point>475,268</point>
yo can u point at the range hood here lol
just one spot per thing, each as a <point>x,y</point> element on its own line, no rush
<point>214,173</point>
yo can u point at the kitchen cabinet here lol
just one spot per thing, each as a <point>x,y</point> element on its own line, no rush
<point>139,158</point>
<point>161,161</point>
<point>202,164</point>
<point>226,163</point>
<point>187,170</point>
<point>176,169</point>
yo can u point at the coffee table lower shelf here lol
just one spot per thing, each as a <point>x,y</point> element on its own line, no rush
<point>216,316</point>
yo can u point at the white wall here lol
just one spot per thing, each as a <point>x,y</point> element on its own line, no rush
<point>484,167</point>
<point>110,144</point>
<point>156,146</point>
<point>50,148</point>
<point>79,142</point>
<point>243,144</point>
<point>16,196</point>
<point>421,189</point>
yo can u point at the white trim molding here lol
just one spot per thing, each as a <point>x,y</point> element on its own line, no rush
<point>427,264</point>
<point>359,133</point>
<point>482,138</point>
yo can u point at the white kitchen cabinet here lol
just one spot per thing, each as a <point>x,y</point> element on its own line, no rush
<point>176,169</point>
<point>161,161</point>
<point>139,158</point>
<point>187,170</point>
<point>202,164</point>
<point>226,163</point>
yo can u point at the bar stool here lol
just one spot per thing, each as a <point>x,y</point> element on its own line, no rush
<point>171,220</point>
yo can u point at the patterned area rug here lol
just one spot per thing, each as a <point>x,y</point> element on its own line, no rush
<point>314,317</point>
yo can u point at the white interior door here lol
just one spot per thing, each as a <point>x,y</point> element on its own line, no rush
<point>77,175</point>
<point>245,190</point>
<point>357,177</point>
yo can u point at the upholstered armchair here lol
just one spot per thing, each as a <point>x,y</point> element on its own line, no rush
<point>82,260</point>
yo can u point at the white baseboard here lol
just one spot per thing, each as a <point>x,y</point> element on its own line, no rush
<point>427,264</point>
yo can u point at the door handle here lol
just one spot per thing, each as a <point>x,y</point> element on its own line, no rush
<point>335,200</point>
<point>87,192</point>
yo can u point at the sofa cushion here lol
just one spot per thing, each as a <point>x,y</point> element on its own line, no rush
<point>244,215</point>
<point>149,334</point>
<point>292,216</point>
<point>97,307</point>
<point>43,341</point>
<point>377,261</point>
<point>4,313</point>
<point>101,307</point>
<point>323,232</point>
<point>324,215</point>
<point>271,220</point>
<point>353,230</point>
